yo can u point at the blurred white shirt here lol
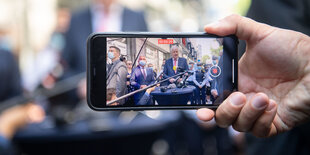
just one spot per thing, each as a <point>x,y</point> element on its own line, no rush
<point>111,22</point>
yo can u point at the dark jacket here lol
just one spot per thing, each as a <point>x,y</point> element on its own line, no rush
<point>168,68</point>
<point>80,28</point>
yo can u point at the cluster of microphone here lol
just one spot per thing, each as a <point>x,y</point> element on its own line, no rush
<point>177,83</point>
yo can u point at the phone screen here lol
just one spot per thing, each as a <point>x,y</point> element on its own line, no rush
<point>156,71</point>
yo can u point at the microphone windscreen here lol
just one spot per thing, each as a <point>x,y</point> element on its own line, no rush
<point>171,86</point>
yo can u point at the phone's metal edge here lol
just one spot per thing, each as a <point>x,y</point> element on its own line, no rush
<point>88,72</point>
<point>153,108</point>
<point>142,34</point>
<point>155,34</point>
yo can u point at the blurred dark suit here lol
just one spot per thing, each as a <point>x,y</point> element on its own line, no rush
<point>74,54</point>
<point>137,79</point>
<point>80,28</point>
<point>168,68</point>
<point>10,82</point>
<point>10,86</point>
<point>293,15</point>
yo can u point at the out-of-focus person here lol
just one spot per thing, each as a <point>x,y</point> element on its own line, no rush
<point>10,81</point>
<point>172,64</point>
<point>141,77</point>
<point>13,118</point>
<point>100,16</point>
<point>117,74</point>
<point>48,64</point>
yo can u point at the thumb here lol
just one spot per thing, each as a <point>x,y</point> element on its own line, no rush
<point>244,28</point>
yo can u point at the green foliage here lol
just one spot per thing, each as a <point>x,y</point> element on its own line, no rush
<point>216,52</point>
<point>204,58</point>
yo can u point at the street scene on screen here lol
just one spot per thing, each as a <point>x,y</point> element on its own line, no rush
<point>163,71</point>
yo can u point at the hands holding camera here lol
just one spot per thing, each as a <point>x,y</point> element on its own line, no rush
<point>274,79</point>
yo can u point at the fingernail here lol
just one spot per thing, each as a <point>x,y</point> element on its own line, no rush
<point>259,102</point>
<point>271,105</point>
<point>236,99</point>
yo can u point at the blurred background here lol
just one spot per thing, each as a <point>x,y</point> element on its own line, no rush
<point>42,69</point>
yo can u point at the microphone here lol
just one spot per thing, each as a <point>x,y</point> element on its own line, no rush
<point>180,69</point>
<point>171,86</point>
<point>175,68</point>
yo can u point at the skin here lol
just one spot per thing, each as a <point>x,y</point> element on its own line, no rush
<point>16,117</point>
<point>129,65</point>
<point>274,79</point>
<point>174,53</point>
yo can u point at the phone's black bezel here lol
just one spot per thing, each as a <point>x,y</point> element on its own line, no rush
<point>151,35</point>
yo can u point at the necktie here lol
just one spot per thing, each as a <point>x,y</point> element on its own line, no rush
<point>143,72</point>
<point>175,64</point>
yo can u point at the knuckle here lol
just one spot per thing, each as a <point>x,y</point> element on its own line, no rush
<point>238,127</point>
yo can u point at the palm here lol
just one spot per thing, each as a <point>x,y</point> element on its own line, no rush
<point>269,68</point>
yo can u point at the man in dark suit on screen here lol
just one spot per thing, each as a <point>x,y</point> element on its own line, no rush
<point>141,77</point>
<point>172,64</point>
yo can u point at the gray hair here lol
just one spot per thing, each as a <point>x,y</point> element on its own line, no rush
<point>173,47</point>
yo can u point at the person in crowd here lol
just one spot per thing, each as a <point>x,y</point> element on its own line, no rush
<point>218,91</point>
<point>116,77</point>
<point>100,16</point>
<point>141,77</point>
<point>13,118</point>
<point>200,78</point>
<point>130,88</point>
<point>161,73</point>
<point>192,70</point>
<point>215,60</point>
<point>111,95</point>
<point>172,64</point>
<point>190,81</point>
<point>273,95</point>
<point>208,84</point>
<point>151,66</point>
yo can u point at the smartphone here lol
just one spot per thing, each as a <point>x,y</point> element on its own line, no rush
<point>154,71</point>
